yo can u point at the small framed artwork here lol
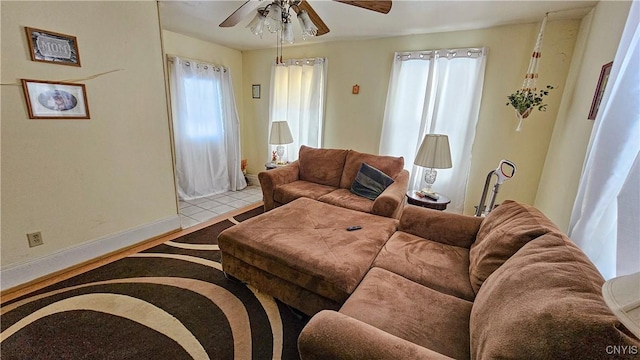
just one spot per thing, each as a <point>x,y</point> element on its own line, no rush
<point>602,84</point>
<point>255,91</point>
<point>55,100</point>
<point>53,47</point>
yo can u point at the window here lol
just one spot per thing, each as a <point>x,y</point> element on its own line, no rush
<point>298,97</point>
<point>205,129</point>
<point>205,117</point>
<point>435,92</point>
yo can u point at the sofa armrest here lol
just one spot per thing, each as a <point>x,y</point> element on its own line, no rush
<point>332,335</point>
<point>270,179</point>
<point>447,228</point>
<point>391,201</point>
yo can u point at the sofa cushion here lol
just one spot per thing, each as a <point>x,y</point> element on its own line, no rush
<point>346,199</point>
<point>443,227</point>
<point>370,182</point>
<point>412,312</point>
<point>286,193</point>
<point>545,302</point>
<point>387,164</point>
<point>322,166</point>
<point>442,267</point>
<point>502,233</point>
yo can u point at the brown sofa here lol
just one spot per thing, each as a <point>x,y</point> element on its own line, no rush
<point>453,286</point>
<point>326,175</point>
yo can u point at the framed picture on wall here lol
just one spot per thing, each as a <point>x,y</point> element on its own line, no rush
<point>602,84</point>
<point>55,100</point>
<point>53,47</point>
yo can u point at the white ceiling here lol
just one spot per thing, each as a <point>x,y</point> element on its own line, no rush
<point>200,19</point>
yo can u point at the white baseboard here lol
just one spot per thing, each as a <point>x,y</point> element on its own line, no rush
<point>21,273</point>
<point>252,179</point>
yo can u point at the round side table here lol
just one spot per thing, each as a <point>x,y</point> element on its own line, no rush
<point>440,204</point>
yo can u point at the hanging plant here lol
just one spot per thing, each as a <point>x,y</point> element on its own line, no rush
<point>524,101</point>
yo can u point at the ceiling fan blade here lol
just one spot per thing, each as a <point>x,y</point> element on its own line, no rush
<point>377,6</point>
<point>242,12</point>
<point>313,15</point>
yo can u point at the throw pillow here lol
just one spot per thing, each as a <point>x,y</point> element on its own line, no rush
<point>370,182</point>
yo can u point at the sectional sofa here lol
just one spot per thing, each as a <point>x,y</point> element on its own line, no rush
<point>453,286</point>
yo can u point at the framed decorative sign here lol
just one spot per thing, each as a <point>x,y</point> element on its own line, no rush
<point>49,46</point>
<point>55,100</point>
<point>602,84</point>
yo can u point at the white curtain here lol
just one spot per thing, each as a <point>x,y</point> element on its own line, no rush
<point>606,213</point>
<point>206,129</point>
<point>435,92</point>
<point>298,97</point>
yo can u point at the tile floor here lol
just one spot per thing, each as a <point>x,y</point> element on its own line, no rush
<point>193,212</point>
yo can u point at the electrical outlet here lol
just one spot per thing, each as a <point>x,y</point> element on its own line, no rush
<point>35,239</point>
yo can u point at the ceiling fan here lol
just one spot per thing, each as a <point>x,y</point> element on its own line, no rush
<point>304,11</point>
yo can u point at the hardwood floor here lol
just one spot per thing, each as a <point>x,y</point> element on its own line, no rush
<point>51,279</point>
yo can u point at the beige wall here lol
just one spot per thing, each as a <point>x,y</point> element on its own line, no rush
<point>597,43</point>
<point>80,180</point>
<point>355,121</point>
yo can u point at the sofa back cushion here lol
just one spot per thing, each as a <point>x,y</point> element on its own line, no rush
<point>321,166</point>
<point>502,233</point>
<point>387,164</point>
<point>545,302</point>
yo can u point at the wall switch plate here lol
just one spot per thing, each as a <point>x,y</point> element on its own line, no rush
<point>35,239</point>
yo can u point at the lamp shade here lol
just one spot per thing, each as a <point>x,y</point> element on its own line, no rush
<point>622,295</point>
<point>434,152</point>
<point>280,133</point>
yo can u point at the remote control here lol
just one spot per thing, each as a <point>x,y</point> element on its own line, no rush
<point>352,228</point>
<point>432,196</point>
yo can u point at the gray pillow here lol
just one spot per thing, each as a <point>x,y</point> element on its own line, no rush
<point>370,182</point>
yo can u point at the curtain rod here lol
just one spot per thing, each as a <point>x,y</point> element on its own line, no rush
<point>428,54</point>
<point>188,61</point>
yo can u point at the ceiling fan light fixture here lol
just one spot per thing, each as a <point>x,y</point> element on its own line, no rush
<point>257,24</point>
<point>287,33</point>
<point>308,27</point>
<point>274,17</point>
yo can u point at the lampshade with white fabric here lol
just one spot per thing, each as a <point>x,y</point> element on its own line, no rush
<point>280,135</point>
<point>622,295</point>
<point>434,153</point>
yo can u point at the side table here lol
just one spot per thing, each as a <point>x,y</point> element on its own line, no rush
<point>273,165</point>
<point>440,204</point>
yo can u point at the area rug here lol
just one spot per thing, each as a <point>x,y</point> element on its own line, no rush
<point>169,302</point>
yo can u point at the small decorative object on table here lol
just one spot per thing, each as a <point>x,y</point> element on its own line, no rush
<point>274,165</point>
<point>427,193</point>
<point>428,199</point>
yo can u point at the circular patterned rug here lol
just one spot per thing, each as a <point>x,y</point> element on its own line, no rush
<point>169,302</point>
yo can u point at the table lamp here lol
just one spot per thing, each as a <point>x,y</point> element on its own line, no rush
<point>622,295</point>
<point>434,153</point>
<point>280,135</point>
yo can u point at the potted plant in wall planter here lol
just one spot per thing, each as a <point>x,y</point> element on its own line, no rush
<point>524,101</point>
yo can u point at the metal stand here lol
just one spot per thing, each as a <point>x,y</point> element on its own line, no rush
<point>505,170</point>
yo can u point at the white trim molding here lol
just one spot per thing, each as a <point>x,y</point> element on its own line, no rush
<point>21,273</point>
